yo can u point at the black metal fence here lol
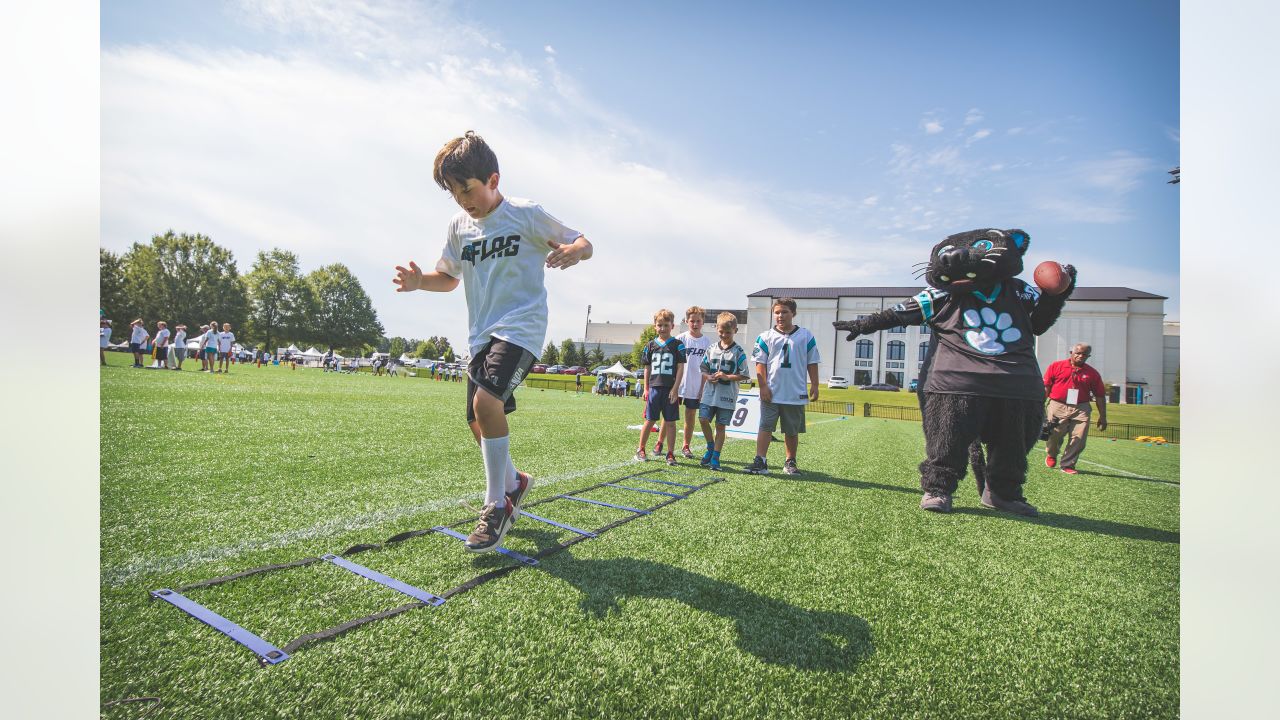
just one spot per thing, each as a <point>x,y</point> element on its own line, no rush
<point>1123,431</point>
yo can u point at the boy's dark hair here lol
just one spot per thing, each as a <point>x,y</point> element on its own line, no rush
<point>463,158</point>
<point>785,302</point>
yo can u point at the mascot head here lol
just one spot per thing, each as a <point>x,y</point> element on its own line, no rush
<point>976,259</point>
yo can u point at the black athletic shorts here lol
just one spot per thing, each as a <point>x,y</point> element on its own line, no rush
<point>498,368</point>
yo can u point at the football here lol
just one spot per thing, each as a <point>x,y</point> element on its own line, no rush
<point>1052,278</point>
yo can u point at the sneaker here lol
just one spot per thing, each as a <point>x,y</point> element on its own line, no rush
<point>789,467</point>
<point>758,466</point>
<point>495,521</point>
<point>936,502</point>
<point>1017,507</point>
<point>657,449</point>
<point>671,459</point>
<point>706,458</point>
<point>1070,471</point>
<point>715,462</point>
<point>686,452</point>
<point>1049,461</point>
<point>640,456</point>
<point>516,497</point>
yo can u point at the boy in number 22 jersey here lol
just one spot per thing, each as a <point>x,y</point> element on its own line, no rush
<point>499,248</point>
<point>785,356</point>
<point>664,364</point>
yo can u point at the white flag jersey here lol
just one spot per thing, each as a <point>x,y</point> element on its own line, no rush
<point>501,259</point>
<point>787,357</point>
<point>694,349</point>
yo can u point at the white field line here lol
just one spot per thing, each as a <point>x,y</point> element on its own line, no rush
<point>117,576</point>
<point>1123,472</point>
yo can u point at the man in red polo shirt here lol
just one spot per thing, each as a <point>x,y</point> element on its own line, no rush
<point>1070,385</point>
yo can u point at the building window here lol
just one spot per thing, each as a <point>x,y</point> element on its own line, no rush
<point>893,378</point>
<point>924,350</point>
<point>897,350</point>
<point>864,349</point>
<point>861,377</point>
<point>924,330</point>
<point>899,329</point>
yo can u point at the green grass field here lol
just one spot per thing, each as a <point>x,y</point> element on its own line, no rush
<point>827,595</point>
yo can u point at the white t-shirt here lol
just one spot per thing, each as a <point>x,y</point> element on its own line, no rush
<point>162,337</point>
<point>180,339</point>
<point>139,335</point>
<point>787,358</point>
<point>501,259</point>
<point>104,337</point>
<point>224,341</point>
<point>695,349</point>
<point>209,339</point>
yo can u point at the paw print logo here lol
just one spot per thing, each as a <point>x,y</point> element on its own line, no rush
<point>989,331</point>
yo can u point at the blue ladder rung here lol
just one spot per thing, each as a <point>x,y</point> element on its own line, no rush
<point>386,581</point>
<point>643,490</point>
<point>539,518</point>
<point>267,653</point>
<point>509,553</point>
<point>605,504</point>
<point>667,482</point>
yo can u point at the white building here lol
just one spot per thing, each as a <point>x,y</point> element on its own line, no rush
<point>615,338</point>
<point>1125,327</point>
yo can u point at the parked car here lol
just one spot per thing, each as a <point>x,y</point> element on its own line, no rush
<point>913,386</point>
<point>539,368</point>
<point>574,370</point>
<point>555,370</point>
<point>835,381</point>
<point>881,386</point>
<point>598,369</point>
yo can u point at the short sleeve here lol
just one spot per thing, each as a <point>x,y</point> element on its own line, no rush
<point>682,353</point>
<point>811,351</point>
<point>705,365</point>
<point>760,351</point>
<point>644,354</point>
<point>545,227</point>
<point>450,263</point>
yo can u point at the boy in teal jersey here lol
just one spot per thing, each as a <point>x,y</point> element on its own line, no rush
<point>785,356</point>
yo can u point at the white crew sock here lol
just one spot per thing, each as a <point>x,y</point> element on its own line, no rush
<point>498,470</point>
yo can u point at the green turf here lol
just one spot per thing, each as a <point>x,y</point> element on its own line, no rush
<point>831,595</point>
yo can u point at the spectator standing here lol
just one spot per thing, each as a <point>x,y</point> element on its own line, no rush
<point>162,345</point>
<point>210,346</point>
<point>226,339</point>
<point>1070,385</point>
<point>138,341</point>
<point>179,346</point>
<point>104,339</point>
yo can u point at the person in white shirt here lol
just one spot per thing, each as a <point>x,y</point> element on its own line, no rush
<point>785,355</point>
<point>104,339</point>
<point>162,345</point>
<point>695,347</point>
<point>225,339</point>
<point>179,346</point>
<point>209,346</point>
<point>499,249</point>
<point>138,341</point>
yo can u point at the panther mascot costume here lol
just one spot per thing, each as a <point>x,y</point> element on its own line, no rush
<point>980,382</point>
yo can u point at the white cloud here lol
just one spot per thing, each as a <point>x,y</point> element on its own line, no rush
<point>978,136</point>
<point>973,116</point>
<point>931,127</point>
<point>871,201</point>
<point>549,50</point>
<point>306,151</point>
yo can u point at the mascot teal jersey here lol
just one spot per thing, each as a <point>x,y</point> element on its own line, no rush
<point>982,343</point>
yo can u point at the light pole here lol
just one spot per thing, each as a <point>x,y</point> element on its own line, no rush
<point>587,327</point>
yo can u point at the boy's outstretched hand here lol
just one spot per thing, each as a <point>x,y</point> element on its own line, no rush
<point>409,278</point>
<point>566,256</point>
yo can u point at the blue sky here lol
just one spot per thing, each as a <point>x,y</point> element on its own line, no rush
<point>707,149</point>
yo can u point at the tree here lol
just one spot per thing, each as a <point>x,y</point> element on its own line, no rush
<point>425,350</point>
<point>112,298</point>
<point>648,334</point>
<point>186,279</point>
<point>396,349</point>
<point>280,300</point>
<point>550,356</point>
<point>594,356</point>
<point>569,353</point>
<point>344,317</point>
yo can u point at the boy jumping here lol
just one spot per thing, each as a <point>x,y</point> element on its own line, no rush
<point>784,355</point>
<point>664,363</point>
<point>500,249</point>
<point>723,366</point>
<point>695,346</point>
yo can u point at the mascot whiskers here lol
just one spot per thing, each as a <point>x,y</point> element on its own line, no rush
<point>980,383</point>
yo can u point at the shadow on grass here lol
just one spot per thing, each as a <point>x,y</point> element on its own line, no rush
<point>1129,477</point>
<point>772,630</point>
<point>1067,522</point>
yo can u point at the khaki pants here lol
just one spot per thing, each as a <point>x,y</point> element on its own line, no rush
<point>1073,420</point>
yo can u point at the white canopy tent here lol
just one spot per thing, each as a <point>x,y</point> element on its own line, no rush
<point>617,369</point>
<point>313,352</point>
